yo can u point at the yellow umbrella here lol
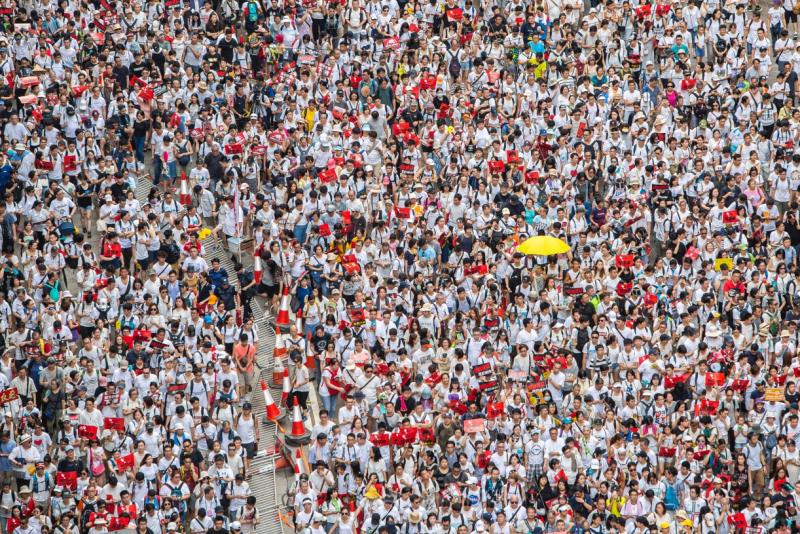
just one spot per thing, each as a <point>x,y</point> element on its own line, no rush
<point>543,245</point>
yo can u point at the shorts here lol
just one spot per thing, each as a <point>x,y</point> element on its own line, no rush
<point>250,449</point>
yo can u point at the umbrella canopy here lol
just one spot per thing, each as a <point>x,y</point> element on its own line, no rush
<point>543,245</point>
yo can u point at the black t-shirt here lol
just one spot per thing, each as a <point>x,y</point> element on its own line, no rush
<point>196,457</point>
<point>140,128</point>
<point>70,466</point>
<point>226,47</point>
<point>137,68</point>
<point>121,74</point>
<point>320,342</point>
<point>214,165</point>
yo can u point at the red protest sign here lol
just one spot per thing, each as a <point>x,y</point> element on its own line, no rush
<point>87,432</point>
<point>70,163</point>
<point>8,395</point>
<point>740,385</point>
<point>730,217</point>
<point>29,81</point>
<point>672,381</point>
<point>624,260</point>
<point>715,379</point>
<point>114,423</point>
<point>455,14</point>
<point>233,148</point>
<point>474,425</point>
<point>125,462</point>
<point>495,409</point>
<point>380,439</point>
<point>67,479</point>
<point>496,166</point>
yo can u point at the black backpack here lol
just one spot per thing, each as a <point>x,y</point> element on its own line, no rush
<point>172,251</point>
<point>454,67</point>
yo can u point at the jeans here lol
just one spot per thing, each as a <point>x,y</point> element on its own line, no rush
<point>300,231</point>
<point>158,169</point>
<point>138,147</point>
<point>329,403</point>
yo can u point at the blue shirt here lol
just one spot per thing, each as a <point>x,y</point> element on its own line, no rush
<point>5,450</point>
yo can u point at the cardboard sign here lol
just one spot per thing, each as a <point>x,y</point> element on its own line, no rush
<point>538,385</point>
<point>773,395</point>
<point>474,425</point>
<point>719,262</point>
<point>488,386</point>
<point>484,369</point>
<point>517,375</point>
<point>8,395</point>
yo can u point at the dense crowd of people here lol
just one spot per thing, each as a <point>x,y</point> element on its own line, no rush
<point>385,161</point>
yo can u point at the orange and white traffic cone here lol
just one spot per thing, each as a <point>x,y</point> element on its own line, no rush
<point>299,465</point>
<point>185,196</point>
<point>278,371</point>
<point>298,428</point>
<point>298,320</point>
<point>287,388</point>
<point>282,321</point>
<point>271,412</point>
<point>257,269</point>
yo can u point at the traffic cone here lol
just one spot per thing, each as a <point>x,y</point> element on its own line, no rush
<point>298,464</point>
<point>298,320</point>
<point>298,428</point>
<point>287,388</point>
<point>311,359</point>
<point>257,270</point>
<point>282,321</point>
<point>185,196</point>
<point>278,371</point>
<point>272,411</point>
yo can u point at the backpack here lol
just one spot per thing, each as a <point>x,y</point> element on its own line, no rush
<point>670,498</point>
<point>172,251</point>
<point>35,483</point>
<point>454,66</point>
<point>252,11</point>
